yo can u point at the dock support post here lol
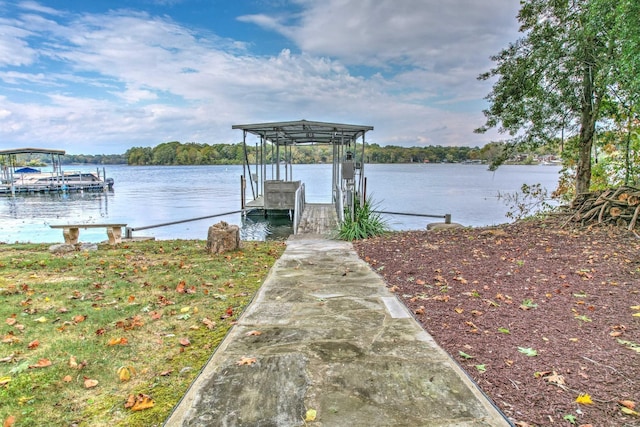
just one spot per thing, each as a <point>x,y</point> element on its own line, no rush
<point>128,233</point>
<point>447,219</point>
<point>243,186</point>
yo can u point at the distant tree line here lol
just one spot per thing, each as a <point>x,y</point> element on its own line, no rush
<point>191,153</point>
<point>38,159</point>
<point>94,159</point>
<point>176,153</point>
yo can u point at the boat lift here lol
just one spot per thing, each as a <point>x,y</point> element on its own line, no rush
<point>273,189</point>
<point>13,181</point>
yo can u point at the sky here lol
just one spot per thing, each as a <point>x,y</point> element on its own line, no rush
<point>103,76</point>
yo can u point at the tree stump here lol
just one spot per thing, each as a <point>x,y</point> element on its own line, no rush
<point>223,237</point>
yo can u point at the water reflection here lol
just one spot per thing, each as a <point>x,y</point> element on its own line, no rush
<point>271,228</point>
<point>58,205</point>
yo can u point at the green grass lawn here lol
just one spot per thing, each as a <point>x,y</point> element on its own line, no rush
<point>84,333</point>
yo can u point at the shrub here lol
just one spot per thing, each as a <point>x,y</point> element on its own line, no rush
<point>364,223</point>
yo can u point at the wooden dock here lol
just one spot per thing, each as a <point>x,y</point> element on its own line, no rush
<point>318,218</point>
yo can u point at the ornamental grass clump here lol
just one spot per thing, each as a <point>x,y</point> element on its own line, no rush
<point>364,223</point>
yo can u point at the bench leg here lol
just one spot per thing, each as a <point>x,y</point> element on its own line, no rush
<point>115,235</point>
<point>71,235</point>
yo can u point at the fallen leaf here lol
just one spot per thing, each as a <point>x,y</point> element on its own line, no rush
<point>458,310</point>
<point>556,379</point>
<point>584,399</point>
<point>166,373</point>
<point>41,319</point>
<point>420,310</point>
<point>185,342</point>
<point>79,318</point>
<point>8,359</point>
<point>628,404</point>
<point>42,363</point>
<point>139,402</point>
<point>181,287</point>
<point>131,299</point>
<point>125,372</point>
<point>528,351</point>
<point>246,361</point>
<point>89,383</point>
<point>9,421</point>
<point>628,411</point>
<point>118,341</point>
<point>310,415</point>
<point>209,323</point>
<point>67,378</point>
<point>4,381</point>
<point>465,355</point>
<point>253,333</point>
<point>10,338</point>
<point>461,279</point>
<point>131,400</point>
<point>11,321</point>
<point>33,344</point>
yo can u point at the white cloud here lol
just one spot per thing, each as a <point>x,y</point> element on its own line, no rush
<point>37,7</point>
<point>14,50</point>
<point>111,81</point>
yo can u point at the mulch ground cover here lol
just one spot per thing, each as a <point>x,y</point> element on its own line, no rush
<point>544,318</point>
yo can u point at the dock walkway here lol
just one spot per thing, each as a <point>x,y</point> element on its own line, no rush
<point>330,337</point>
<point>318,219</point>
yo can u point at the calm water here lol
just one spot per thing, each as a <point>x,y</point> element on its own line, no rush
<point>152,195</point>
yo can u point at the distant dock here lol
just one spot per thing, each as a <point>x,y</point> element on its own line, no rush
<point>28,180</point>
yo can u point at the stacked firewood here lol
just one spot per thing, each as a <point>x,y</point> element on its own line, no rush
<point>619,206</point>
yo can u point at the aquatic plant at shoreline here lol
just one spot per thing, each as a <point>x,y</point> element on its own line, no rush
<point>364,223</point>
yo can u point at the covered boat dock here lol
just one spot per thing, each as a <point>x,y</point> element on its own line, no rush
<point>270,177</point>
<point>24,180</point>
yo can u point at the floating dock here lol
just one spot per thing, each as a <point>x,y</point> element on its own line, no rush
<point>28,180</point>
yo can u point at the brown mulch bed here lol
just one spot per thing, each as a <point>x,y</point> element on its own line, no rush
<point>489,296</point>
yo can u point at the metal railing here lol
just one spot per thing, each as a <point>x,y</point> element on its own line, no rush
<point>129,230</point>
<point>447,217</point>
<point>339,203</point>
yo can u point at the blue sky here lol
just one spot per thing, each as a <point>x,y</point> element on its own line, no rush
<point>102,76</point>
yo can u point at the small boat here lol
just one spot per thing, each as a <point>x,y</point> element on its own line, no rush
<point>27,180</point>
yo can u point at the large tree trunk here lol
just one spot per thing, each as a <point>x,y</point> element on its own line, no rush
<point>587,130</point>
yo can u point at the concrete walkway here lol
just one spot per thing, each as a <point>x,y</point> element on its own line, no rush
<point>330,337</point>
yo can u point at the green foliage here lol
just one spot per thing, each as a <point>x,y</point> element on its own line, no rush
<point>531,200</point>
<point>364,223</point>
<point>574,57</point>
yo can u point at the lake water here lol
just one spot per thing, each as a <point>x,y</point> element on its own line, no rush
<point>149,195</point>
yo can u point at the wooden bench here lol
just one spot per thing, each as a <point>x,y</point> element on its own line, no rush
<point>72,231</point>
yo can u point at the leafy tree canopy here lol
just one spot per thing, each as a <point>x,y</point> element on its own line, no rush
<point>573,58</point>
